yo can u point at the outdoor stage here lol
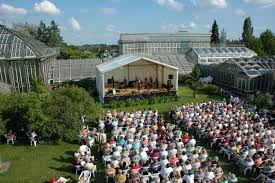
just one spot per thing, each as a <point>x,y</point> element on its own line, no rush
<point>122,94</point>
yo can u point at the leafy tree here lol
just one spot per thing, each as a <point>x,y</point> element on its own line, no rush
<point>193,80</point>
<point>256,45</point>
<point>195,86</point>
<point>215,37</point>
<point>263,102</point>
<point>54,37</point>
<point>196,73</point>
<point>268,42</point>
<point>42,33</point>
<point>247,30</point>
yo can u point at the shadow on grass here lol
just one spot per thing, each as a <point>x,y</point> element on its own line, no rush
<point>67,169</point>
<point>69,153</point>
<point>62,159</point>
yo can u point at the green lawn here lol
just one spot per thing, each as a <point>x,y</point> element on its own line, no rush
<point>35,165</point>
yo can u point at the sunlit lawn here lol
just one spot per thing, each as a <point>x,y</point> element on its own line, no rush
<point>35,165</point>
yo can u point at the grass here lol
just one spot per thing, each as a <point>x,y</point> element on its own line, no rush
<point>37,165</point>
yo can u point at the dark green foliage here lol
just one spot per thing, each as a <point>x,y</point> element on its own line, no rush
<point>55,115</point>
<point>263,102</point>
<point>89,84</point>
<point>247,30</point>
<point>263,46</point>
<point>196,73</point>
<point>50,35</point>
<point>73,52</point>
<point>210,89</point>
<point>131,102</point>
<point>183,78</point>
<point>267,39</point>
<point>215,37</point>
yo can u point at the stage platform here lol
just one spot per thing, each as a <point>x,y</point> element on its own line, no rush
<point>124,94</point>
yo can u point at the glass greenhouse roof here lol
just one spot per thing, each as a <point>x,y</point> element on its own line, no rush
<point>16,45</point>
<point>255,66</point>
<point>165,37</point>
<point>224,52</point>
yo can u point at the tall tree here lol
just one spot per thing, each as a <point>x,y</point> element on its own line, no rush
<point>247,30</point>
<point>215,37</point>
<point>54,37</point>
<point>223,36</point>
<point>42,32</point>
<point>268,42</point>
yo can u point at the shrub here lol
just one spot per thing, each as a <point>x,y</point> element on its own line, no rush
<point>55,115</point>
<point>263,102</point>
<point>210,89</point>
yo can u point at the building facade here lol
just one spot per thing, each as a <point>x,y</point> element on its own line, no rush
<point>23,58</point>
<point>162,43</point>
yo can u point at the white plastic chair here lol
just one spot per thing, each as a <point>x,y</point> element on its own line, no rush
<point>33,141</point>
<point>85,176</point>
<point>85,148</point>
<point>9,139</point>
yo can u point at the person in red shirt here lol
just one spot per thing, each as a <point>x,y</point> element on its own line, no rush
<point>136,167</point>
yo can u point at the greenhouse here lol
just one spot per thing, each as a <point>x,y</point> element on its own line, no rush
<point>162,43</point>
<point>244,75</point>
<point>23,58</point>
<point>206,56</point>
<point>135,76</point>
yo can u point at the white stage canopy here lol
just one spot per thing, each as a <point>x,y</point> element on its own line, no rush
<point>132,67</point>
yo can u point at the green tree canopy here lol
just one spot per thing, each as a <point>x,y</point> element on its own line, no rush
<point>247,30</point>
<point>268,42</point>
<point>215,37</point>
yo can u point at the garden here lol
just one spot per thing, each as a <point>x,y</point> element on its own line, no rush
<point>56,117</point>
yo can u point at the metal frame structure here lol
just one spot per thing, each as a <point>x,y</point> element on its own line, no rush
<point>23,58</point>
<point>162,43</point>
<point>244,75</point>
<point>207,56</point>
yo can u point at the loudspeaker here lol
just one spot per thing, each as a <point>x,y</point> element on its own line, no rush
<point>170,76</point>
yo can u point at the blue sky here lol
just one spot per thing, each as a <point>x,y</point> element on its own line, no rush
<point>101,21</point>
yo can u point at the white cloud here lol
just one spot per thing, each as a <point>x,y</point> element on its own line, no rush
<point>261,3</point>
<point>171,4</point>
<point>212,4</point>
<point>11,10</point>
<point>74,24</point>
<point>108,11</point>
<point>172,27</point>
<point>240,12</point>
<point>192,24</point>
<point>110,28</point>
<point>46,6</point>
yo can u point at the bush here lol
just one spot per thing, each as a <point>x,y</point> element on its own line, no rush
<point>210,89</point>
<point>263,102</point>
<point>131,102</point>
<point>54,115</point>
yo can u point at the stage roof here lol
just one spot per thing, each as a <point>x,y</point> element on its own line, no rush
<point>125,60</point>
